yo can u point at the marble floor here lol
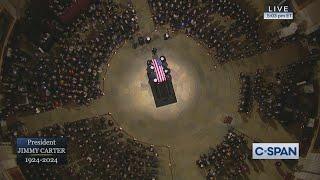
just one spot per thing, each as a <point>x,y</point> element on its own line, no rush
<point>205,95</point>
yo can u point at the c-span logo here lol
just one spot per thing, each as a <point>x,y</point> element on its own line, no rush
<point>275,150</point>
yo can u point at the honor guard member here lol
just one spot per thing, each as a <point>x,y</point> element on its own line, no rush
<point>166,36</point>
<point>141,41</point>
<point>148,40</point>
<point>154,51</point>
<point>134,44</point>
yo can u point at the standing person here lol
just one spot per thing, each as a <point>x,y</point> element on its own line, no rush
<point>166,36</point>
<point>148,39</point>
<point>154,51</point>
<point>141,40</point>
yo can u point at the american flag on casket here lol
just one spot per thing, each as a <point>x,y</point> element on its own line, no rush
<point>158,69</point>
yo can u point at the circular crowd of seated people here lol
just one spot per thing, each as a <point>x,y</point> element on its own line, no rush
<point>70,73</point>
<point>273,96</point>
<point>245,93</point>
<point>59,6</point>
<point>314,38</point>
<point>229,29</point>
<point>97,149</point>
<point>263,94</point>
<point>227,160</point>
<point>237,41</point>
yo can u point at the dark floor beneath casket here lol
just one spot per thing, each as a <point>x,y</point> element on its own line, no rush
<point>163,93</point>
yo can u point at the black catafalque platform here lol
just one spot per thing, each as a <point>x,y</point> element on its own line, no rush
<point>160,81</point>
